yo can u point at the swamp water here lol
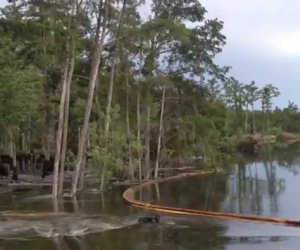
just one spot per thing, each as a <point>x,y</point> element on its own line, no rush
<point>267,185</point>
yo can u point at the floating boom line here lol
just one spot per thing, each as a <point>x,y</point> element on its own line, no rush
<point>129,195</point>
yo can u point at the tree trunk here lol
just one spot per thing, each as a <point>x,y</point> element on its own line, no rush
<point>24,148</point>
<point>60,131</point>
<point>139,131</point>
<point>110,94</point>
<point>130,167</point>
<point>83,166</point>
<point>253,119</point>
<point>82,169</point>
<point>83,134</point>
<point>46,147</point>
<point>11,146</point>
<point>109,99</point>
<point>66,119</point>
<point>29,135</point>
<point>92,84</point>
<point>246,121</point>
<point>108,118</point>
<point>112,75</point>
<point>24,151</point>
<point>13,155</point>
<point>160,133</point>
<point>268,113</point>
<point>67,106</point>
<point>66,125</point>
<point>16,169</point>
<point>147,142</point>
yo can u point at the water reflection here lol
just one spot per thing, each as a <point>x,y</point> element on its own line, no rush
<point>263,186</point>
<point>156,237</point>
<point>266,185</point>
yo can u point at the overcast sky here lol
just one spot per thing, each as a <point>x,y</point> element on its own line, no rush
<point>263,42</point>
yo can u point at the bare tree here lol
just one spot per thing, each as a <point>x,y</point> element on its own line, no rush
<point>111,88</point>
<point>92,83</point>
<point>160,132</point>
<point>62,132</point>
<point>128,128</point>
<point>147,142</point>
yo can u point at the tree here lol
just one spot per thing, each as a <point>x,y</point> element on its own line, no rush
<point>62,131</point>
<point>20,92</point>
<point>253,93</point>
<point>171,48</point>
<point>267,93</point>
<point>98,48</point>
<point>234,96</point>
<point>145,93</point>
<point>214,89</point>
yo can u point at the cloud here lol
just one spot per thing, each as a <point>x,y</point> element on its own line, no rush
<point>257,24</point>
<point>2,3</point>
<point>287,44</point>
<point>263,42</point>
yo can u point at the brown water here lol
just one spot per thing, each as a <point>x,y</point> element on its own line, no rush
<point>267,185</point>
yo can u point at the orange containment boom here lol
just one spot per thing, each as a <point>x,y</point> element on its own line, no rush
<point>129,195</point>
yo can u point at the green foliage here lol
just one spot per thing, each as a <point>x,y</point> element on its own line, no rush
<point>137,147</point>
<point>110,154</point>
<point>227,144</point>
<point>70,157</point>
<point>206,110</point>
<point>274,131</point>
<point>20,86</point>
<point>267,93</point>
<point>108,150</point>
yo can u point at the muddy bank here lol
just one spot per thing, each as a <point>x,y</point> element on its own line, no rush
<point>248,144</point>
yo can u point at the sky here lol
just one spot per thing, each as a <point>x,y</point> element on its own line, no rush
<point>263,42</point>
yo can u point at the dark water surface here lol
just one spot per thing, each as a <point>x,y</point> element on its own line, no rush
<point>268,185</point>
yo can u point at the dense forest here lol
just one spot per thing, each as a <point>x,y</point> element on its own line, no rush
<point>94,80</point>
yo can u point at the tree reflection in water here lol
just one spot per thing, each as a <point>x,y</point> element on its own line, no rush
<point>251,186</point>
<point>265,185</point>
